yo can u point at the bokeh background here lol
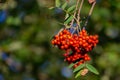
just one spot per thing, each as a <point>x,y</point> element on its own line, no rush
<point>27,26</point>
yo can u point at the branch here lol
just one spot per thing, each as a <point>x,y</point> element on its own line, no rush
<point>90,12</point>
<point>75,12</point>
<point>78,16</point>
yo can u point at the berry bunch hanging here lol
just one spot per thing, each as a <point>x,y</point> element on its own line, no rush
<point>74,39</point>
<point>76,46</point>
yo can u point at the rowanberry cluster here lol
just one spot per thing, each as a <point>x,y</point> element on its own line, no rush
<point>76,45</point>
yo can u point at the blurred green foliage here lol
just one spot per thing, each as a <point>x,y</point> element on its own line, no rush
<point>27,26</point>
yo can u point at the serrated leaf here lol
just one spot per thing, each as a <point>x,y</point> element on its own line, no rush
<point>68,20</point>
<point>78,74</point>
<point>64,5</point>
<point>92,69</point>
<point>79,67</point>
<point>57,3</point>
<point>71,65</point>
<point>66,16</point>
<point>71,8</point>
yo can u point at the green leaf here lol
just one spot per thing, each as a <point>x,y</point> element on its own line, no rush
<point>68,20</point>
<point>71,8</point>
<point>71,65</point>
<point>79,67</point>
<point>78,74</point>
<point>64,5</point>
<point>66,16</point>
<point>92,69</point>
<point>57,3</point>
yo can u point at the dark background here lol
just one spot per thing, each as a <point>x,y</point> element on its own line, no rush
<point>2,1</point>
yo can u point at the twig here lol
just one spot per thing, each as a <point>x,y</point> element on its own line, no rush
<point>75,12</point>
<point>90,12</point>
<point>78,15</point>
<point>74,18</point>
<point>69,14</point>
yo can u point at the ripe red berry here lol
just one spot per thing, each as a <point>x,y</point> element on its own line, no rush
<point>76,45</point>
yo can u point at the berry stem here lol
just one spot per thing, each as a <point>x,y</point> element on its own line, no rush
<point>90,12</point>
<point>60,31</point>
